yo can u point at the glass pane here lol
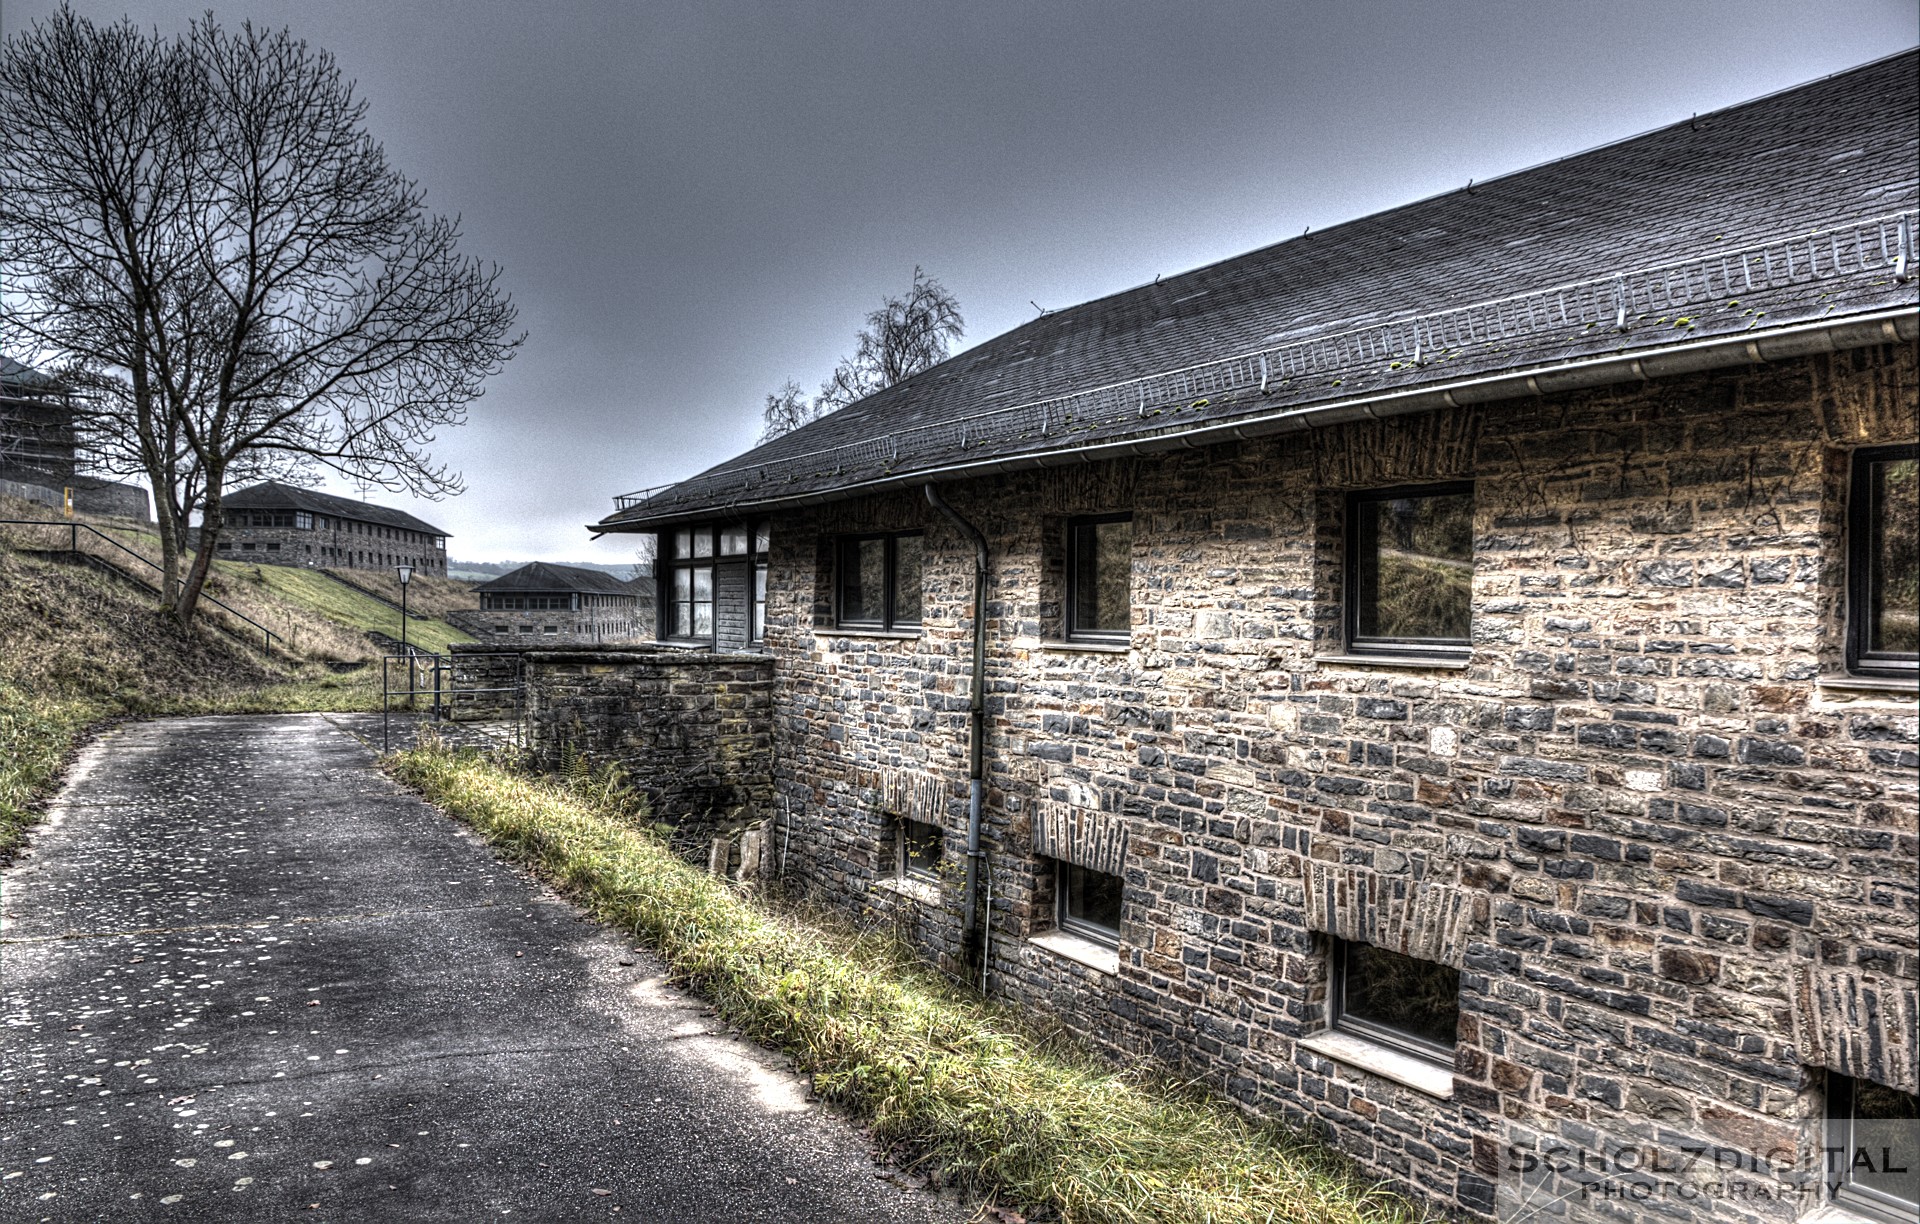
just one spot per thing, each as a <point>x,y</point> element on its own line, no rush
<point>1414,573</point>
<point>683,584</point>
<point>762,536</point>
<point>1102,577</point>
<point>920,847</point>
<point>1885,1142</point>
<point>682,619</point>
<point>703,619</point>
<point>733,541</point>
<point>683,543</point>
<point>703,542</point>
<point>1090,897</point>
<point>1415,997</point>
<point>759,602</point>
<point>863,581</point>
<point>1893,626</point>
<point>906,580</point>
<point>703,583</point>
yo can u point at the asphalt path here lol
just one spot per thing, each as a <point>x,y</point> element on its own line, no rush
<point>245,977</point>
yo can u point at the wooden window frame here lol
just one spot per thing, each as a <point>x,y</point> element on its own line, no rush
<point>1342,1020</point>
<point>889,620</point>
<point>903,866</point>
<point>1861,661</point>
<point>667,565</point>
<point>1437,648</point>
<point>1861,1200</point>
<point>1064,919</point>
<point>1074,632</point>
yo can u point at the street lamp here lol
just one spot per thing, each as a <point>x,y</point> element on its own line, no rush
<point>406,576</point>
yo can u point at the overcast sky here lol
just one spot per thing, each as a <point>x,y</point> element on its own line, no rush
<point>694,202</point>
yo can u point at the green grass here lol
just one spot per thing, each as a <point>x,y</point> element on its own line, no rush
<point>967,1084</point>
<point>36,734</point>
<point>339,603</point>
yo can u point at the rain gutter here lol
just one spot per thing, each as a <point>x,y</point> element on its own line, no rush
<point>1894,325</point>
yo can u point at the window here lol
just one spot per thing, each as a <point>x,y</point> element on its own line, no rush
<point>918,850</point>
<point>1883,562</point>
<point>1410,1005</point>
<point>1410,570</point>
<point>303,520</point>
<point>1100,578</point>
<point>713,584</point>
<point>880,581</point>
<point>1873,1149</point>
<point>1087,903</point>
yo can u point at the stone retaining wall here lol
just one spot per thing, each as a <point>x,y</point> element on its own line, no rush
<point>693,729</point>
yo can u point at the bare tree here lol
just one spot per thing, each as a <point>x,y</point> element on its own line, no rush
<point>905,336</point>
<point>205,226</point>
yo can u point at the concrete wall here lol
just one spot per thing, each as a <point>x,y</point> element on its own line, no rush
<point>1668,860</point>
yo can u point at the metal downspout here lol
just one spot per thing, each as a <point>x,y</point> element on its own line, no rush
<point>976,735</point>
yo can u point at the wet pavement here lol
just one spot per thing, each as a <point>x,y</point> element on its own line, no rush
<point>245,977</point>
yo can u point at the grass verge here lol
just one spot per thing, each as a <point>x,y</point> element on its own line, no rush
<point>929,1067</point>
<point>36,736</point>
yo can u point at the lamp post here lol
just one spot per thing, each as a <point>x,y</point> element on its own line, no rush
<point>406,576</point>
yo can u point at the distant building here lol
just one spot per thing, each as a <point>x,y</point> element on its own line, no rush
<point>279,524</point>
<point>541,602</point>
<point>38,449</point>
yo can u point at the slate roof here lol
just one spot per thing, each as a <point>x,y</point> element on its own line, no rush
<point>545,576</point>
<point>1754,220</point>
<point>275,495</point>
<point>17,379</point>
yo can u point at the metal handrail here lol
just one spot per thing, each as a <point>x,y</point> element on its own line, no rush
<point>74,530</point>
<point>447,696</point>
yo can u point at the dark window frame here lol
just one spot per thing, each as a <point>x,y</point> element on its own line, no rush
<point>1861,1200</point>
<point>1862,661</point>
<point>1064,920</point>
<point>889,621</point>
<point>1439,648</point>
<point>667,565</point>
<point>903,865</point>
<point>1070,617</point>
<point>1341,1020</point>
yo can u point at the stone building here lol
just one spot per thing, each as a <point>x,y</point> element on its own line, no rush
<point>39,449</point>
<point>1447,680</point>
<point>560,604</point>
<point>279,524</point>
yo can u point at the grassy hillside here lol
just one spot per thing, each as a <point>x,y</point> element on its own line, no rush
<point>78,647</point>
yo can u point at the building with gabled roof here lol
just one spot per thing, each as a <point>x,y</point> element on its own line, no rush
<point>543,602</point>
<point>1446,681</point>
<point>275,523</point>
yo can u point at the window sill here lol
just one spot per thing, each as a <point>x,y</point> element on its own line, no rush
<point>1386,660</point>
<point>1118,648</point>
<point>1416,1073</point>
<point>892,635</point>
<point>1097,957</point>
<point>926,892</point>
<point>1869,684</point>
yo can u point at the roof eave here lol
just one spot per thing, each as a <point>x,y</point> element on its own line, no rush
<point>1890,325</point>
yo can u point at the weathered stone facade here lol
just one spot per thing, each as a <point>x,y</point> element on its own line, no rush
<point>339,544</point>
<point>692,728</point>
<point>1671,852</point>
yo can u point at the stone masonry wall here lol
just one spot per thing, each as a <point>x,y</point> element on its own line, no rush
<point>693,729</point>
<point>1668,859</point>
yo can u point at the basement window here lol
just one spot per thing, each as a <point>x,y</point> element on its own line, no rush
<point>1410,1006</point>
<point>1883,563</point>
<point>879,581</point>
<point>1100,579</point>
<point>918,849</point>
<point>1872,1165</point>
<point>1409,587</point>
<point>1088,903</point>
